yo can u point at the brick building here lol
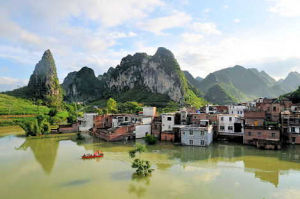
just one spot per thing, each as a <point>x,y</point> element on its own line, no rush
<point>259,133</point>
<point>290,122</point>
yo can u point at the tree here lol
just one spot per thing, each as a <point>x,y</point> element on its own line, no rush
<point>150,139</point>
<point>112,106</point>
<point>129,107</point>
<point>143,167</point>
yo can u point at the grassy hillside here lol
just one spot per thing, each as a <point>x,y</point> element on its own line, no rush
<point>10,105</point>
<point>14,110</point>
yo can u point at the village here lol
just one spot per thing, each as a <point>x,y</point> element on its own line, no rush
<point>264,123</point>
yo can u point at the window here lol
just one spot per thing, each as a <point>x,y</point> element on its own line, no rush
<point>222,118</point>
<point>259,133</point>
<point>273,135</point>
<point>191,142</point>
<point>293,139</point>
<point>249,133</point>
<point>222,128</point>
<point>293,129</point>
<point>202,132</point>
<point>169,119</point>
<point>230,128</point>
<point>191,133</point>
<point>230,119</point>
<point>202,142</point>
<point>274,108</point>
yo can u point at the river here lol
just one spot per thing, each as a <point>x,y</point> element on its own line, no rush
<point>51,167</point>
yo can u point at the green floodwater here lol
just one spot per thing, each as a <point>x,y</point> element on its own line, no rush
<point>51,167</point>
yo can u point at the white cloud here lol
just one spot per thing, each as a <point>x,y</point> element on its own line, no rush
<point>9,83</point>
<point>209,55</point>
<point>236,20</point>
<point>207,28</point>
<point>286,8</point>
<point>226,6</point>
<point>192,37</point>
<point>108,12</point>
<point>158,25</point>
<point>207,10</point>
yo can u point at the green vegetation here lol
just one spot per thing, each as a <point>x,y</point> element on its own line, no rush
<point>171,107</point>
<point>82,86</point>
<point>44,84</point>
<point>130,107</point>
<point>151,139</point>
<point>10,105</point>
<point>35,127</point>
<point>142,95</point>
<point>143,167</point>
<point>193,100</point>
<point>242,84</point>
<point>217,95</point>
<point>79,136</point>
<point>111,106</point>
<point>293,96</point>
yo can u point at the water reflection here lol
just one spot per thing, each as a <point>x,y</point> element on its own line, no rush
<point>139,185</point>
<point>265,165</point>
<point>44,151</point>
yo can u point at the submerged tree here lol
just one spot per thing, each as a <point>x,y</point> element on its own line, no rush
<point>143,167</point>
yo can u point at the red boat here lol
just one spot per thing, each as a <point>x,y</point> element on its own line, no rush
<point>98,154</point>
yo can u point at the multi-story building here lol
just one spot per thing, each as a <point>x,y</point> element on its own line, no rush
<point>168,121</point>
<point>230,124</point>
<point>237,110</point>
<point>290,122</point>
<point>156,126</point>
<point>197,136</point>
<point>260,133</point>
<point>87,121</point>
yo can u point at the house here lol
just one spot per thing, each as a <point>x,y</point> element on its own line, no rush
<point>273,108</point>
<point>259,132</point>
<point>68,128</point>
<point>102,121</point>
<point>197,136</point>
<point>124,132</point>
<point>168,121</point>
<point>149,111</point>
<point>237,109</point>
<point>173,135</point>
<point>87,121</point>
<point>290,122</point>
<point>230,124</point>
<point>214,109</point>
<point>167,136</point>
<point>156,126</point>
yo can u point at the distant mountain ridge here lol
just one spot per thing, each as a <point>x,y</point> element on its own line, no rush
<point>82,85</point>
<point>154,80</point>
<point>238,84</point>
<point>140,77</point>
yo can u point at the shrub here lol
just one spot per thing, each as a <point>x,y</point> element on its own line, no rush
<point>150,139</point>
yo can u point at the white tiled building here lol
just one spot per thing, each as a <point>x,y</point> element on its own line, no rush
<point>87,121</point>
<point>237,109</point>
<point>197,136</point>
<point>167,121</point>
<point>230,123</point>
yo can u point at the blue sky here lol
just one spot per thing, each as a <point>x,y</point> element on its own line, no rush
<point>205,36</point>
